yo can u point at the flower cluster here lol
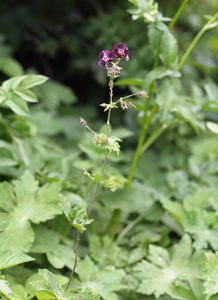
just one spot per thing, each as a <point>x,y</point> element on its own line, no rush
<point>119,51</point>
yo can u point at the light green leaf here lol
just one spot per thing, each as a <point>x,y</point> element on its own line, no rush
<point>10,66</point>
<point>159,73</point>
<point>168,49</point>
<point>30,204</point>
<point>17,105</point>
<point>161,271</point>
<point>47,286</point>
<point>10,259</point>
<point>210,274</point>
<point>103,282</point>
<point>4,287</point>
<point>29,81</point>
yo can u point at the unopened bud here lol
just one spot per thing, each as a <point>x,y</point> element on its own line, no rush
<point>142,94</point>
<point>83,122</point>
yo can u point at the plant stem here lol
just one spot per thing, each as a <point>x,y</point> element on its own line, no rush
<point>75,261</point>
<point>155,134</point>
<point>111,85</point>
<point>178,13</point>
<point>128,228</point>
<point>195,41</point>
<point>146,124</point>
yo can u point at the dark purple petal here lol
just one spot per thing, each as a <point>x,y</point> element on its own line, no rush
<point>121,50</point>
<point>106,56</point>
<point>101,64</point>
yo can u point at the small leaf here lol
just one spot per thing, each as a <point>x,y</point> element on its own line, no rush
<point>29,81</point>
<point>17,105</point>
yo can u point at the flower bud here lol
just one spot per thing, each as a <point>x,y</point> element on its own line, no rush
<point>83,122</point>
<point>142,94</point>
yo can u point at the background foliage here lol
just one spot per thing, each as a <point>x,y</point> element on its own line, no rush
<point>154,238</point>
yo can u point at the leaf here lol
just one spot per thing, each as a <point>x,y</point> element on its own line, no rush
<point>17,105</point>
<point>168,49</point>
<point>29,81</point>
<point>10,259</point>
<point>154,34</point>
<point>105,282</point>
<point>10,66</point>
<point>23,82</point>
<point>162,270</point>
<point>30,204</point>
<point>58,250</point>
<point>26,95</point>
<point>47,286</point>
<point>159,73</point>
<point>4,287</point>
<point>210,274</point>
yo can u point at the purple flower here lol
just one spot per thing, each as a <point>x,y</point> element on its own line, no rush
<point>106,56</point>
<point>101,64</point>
<point>121,50</point>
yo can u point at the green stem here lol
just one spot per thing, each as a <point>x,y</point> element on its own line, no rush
<point>127,229</point>
<point>137,155</point>
<point>145,126</point>
<point>111,84</point>
<point>75,261</point>
<point>195,41</point>
<point>155,134</point>
<point>178,13</point>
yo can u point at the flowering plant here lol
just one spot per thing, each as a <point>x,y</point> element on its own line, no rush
<point>79,216</point>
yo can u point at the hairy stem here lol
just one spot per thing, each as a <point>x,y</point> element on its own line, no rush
<point>111,85</point>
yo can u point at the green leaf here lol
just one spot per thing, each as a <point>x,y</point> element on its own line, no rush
<point>23,82</point>
<point>58,250</point>
<point>26,95</point>
<point>10,66</point>
<point>10,259</point>
<point>159,73</point>
<point>47,286</point>
<point>17,105</point>
<point>4,287</point>
<point>103,282</point>
<point>30,204</point>
<point>29,81</point>
<point>162,270</point>
<point>210,274</point>
<point>168,49</point>
<point>154,34</point>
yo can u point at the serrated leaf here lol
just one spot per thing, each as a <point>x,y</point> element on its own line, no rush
<point>162,271</point>
<point>30,204</point>
<point>103,282</point>
<point>47,286</point>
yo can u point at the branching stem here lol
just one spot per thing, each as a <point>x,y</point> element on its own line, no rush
<point>111,85</point>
